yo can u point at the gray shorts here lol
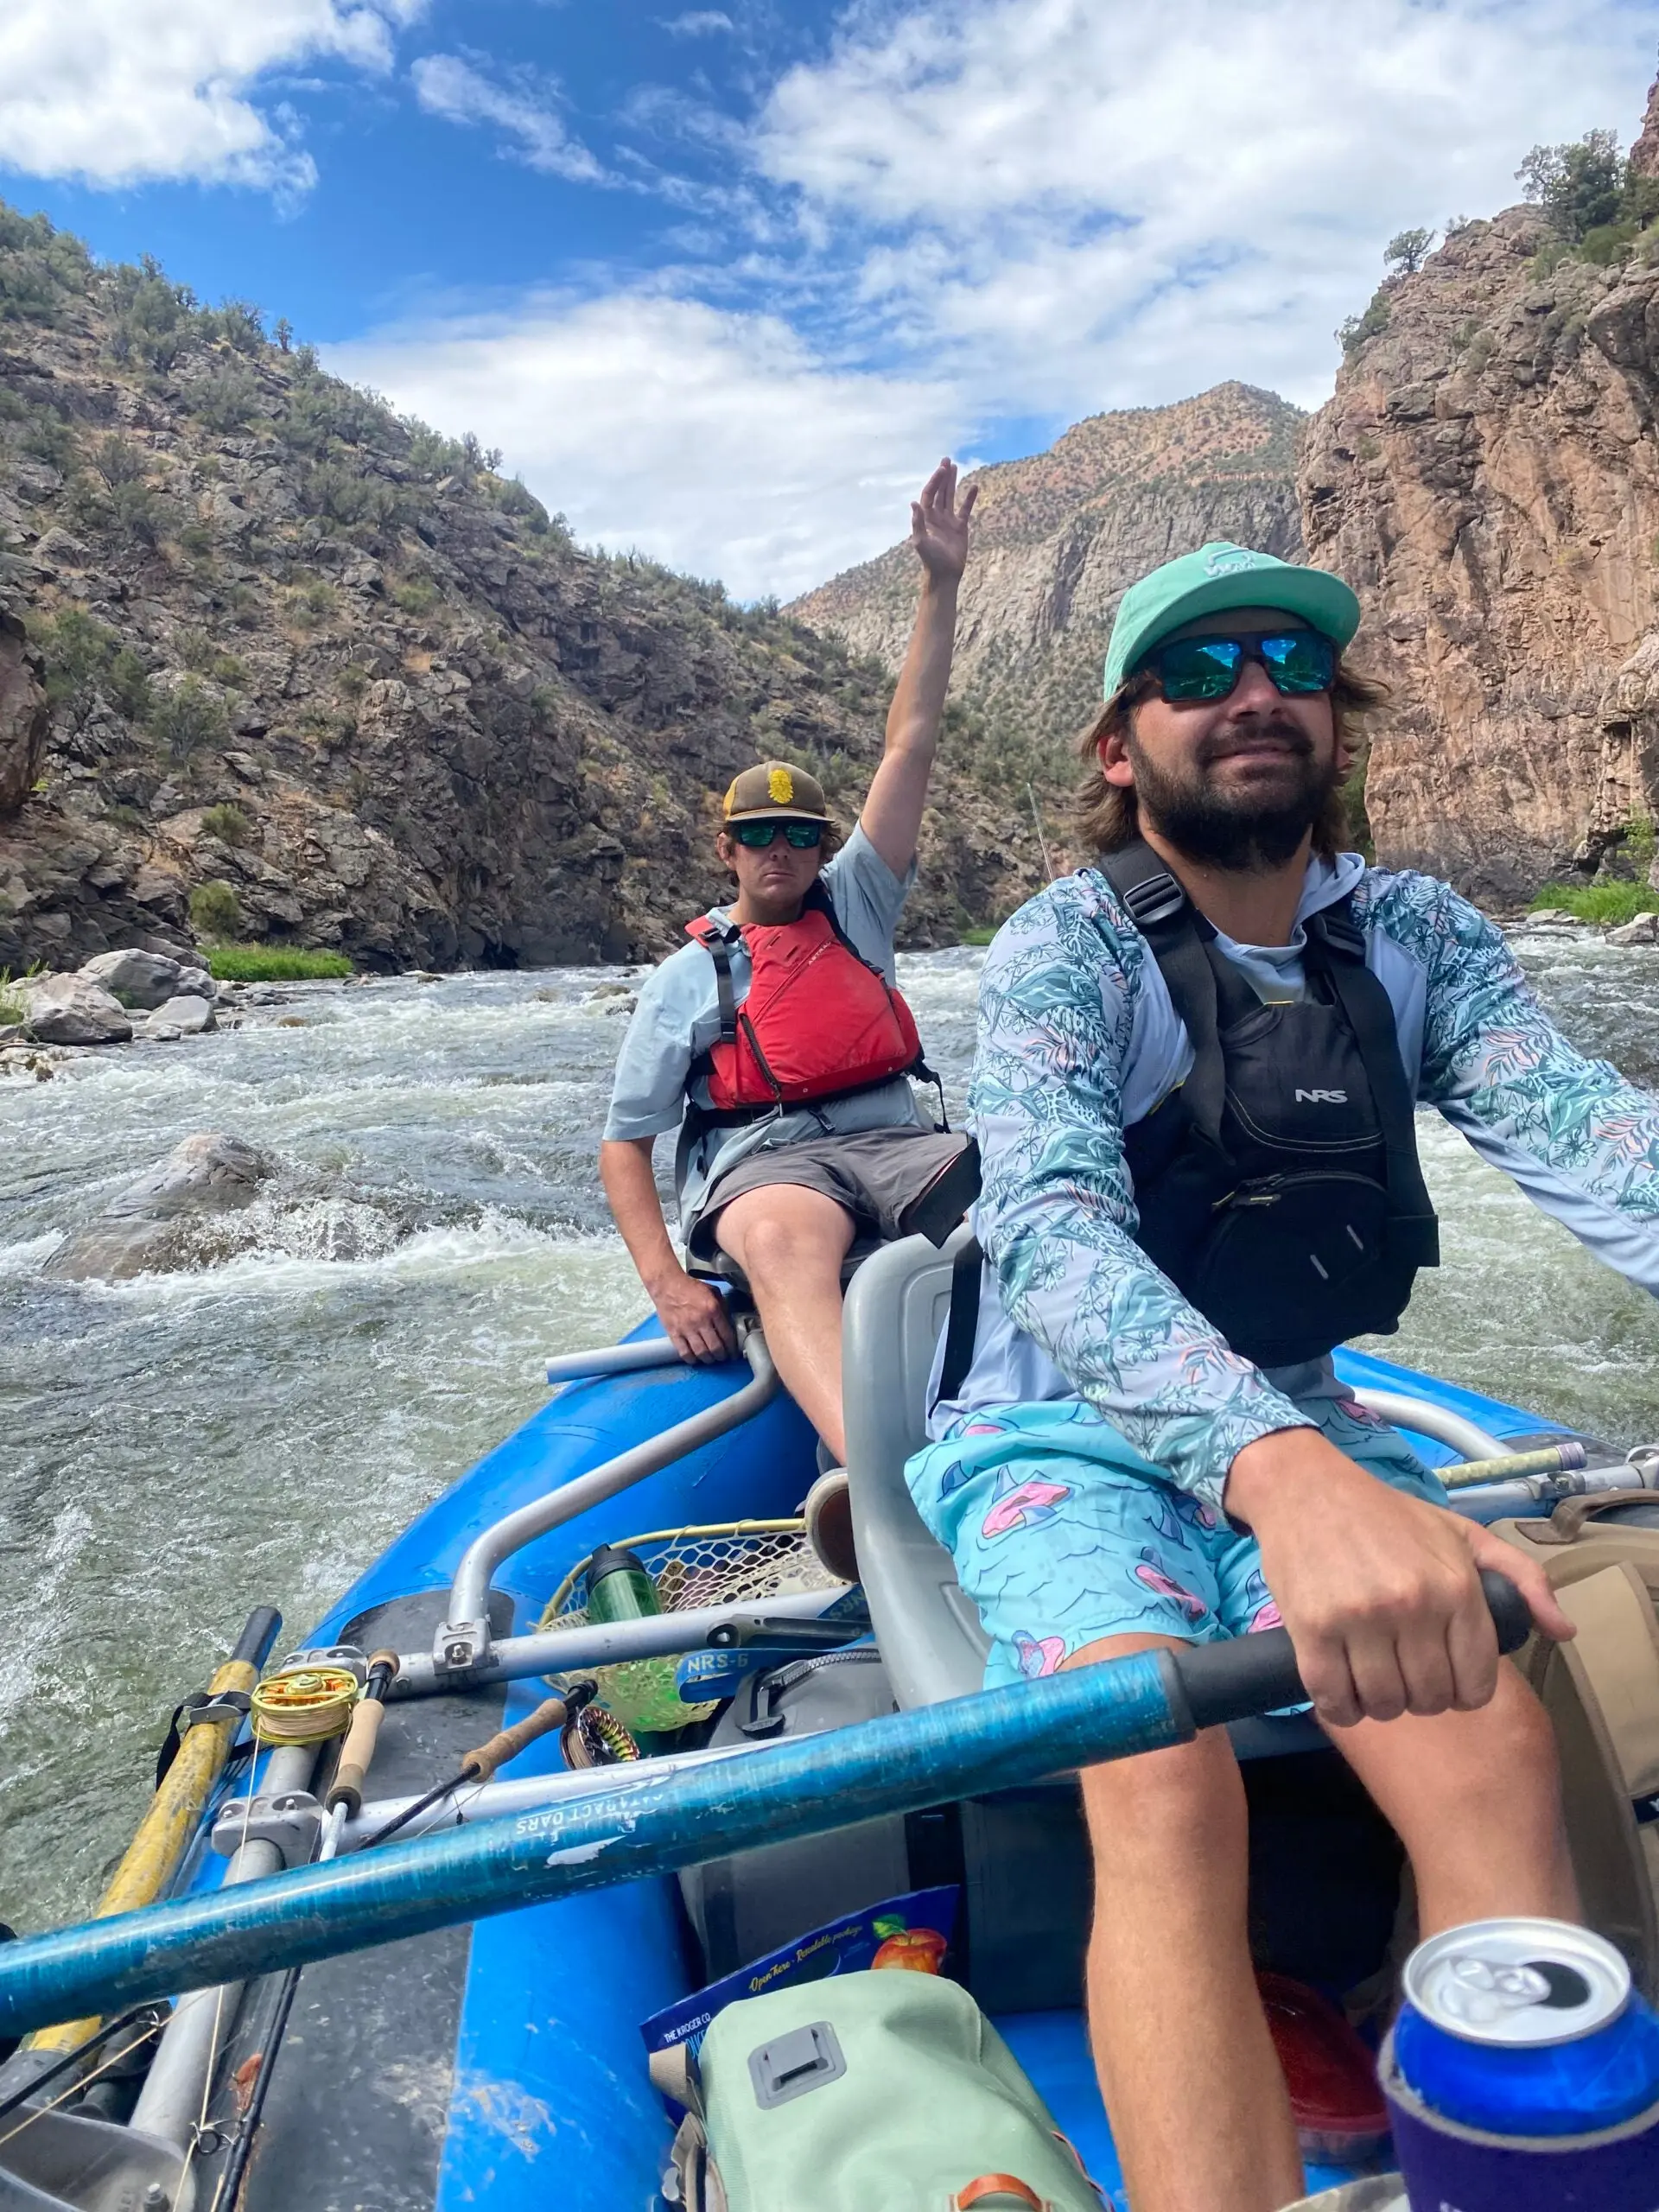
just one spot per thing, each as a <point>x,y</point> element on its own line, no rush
<point>875,1175</point>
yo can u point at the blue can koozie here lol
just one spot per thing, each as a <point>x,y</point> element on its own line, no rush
<point>1523,2075</point>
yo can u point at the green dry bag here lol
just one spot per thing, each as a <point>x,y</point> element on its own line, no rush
<point>884,2091</point>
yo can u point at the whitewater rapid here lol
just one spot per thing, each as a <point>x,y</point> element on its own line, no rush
<point>176,1449</point>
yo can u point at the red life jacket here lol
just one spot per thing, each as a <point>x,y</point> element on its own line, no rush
<point>818,1020</point>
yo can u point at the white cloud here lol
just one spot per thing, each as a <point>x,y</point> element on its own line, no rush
<point>698,22</point>
<point>711,441</point>
<point>132,92</point>
<point>448,86</point>
<point>1095,204</point>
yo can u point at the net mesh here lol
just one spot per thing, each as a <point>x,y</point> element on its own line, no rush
<point>729,1563</point>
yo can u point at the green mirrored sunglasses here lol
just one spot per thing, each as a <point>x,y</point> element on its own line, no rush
<point>1300,663</point>
<point>759,834</point>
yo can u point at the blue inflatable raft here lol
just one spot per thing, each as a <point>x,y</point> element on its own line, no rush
<point>497,2061</point>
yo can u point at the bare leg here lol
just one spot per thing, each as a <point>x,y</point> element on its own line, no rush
<point>1475,1797</point>
<point>1191,2082</point>
<point>790,1242</point>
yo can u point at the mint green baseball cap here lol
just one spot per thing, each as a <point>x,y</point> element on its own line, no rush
<point>1214,578</point>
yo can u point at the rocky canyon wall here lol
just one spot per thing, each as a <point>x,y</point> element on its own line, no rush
<point>1058,538</point>
<point>1487,477</point>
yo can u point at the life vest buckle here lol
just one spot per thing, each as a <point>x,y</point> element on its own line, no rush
<point>1342,933</point>
<point>1158,899</point>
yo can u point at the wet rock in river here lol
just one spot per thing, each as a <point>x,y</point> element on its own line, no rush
<point>146,1226</point>
<point>187,1015</point>
<point>69,1010</point>
<point>1644,930</point>
<point>141,979</point>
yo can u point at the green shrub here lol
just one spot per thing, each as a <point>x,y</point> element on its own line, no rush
<point>226,399</point>
<point>187,719</point>
<point>415,595</point>
<point>128,683</point>
<point>981,933</point>
<point>49,438</point>
<point>1610,903</point>
<point>353,679</point>
<point>78,652</point>
<point>1578,185</point>
<point>1607,243</point>
<point>215,910</point>
<point>265,964</point>
<point>11,1000</point>
<point>1407,251</point>
<point>314,602</point>
<point>1354,332</point>
<point>228,824</point>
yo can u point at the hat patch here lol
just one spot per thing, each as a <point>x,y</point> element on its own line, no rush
<point>1230,560</point>
<point>780,787</point>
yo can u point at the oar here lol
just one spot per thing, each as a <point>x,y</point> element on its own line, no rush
<point>998,1739</point>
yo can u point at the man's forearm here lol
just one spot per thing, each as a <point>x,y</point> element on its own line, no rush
<point>919,698</point>
<point>631,1187</point>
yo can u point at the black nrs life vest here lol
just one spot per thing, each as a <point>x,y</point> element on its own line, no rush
<point>1279,1187</point>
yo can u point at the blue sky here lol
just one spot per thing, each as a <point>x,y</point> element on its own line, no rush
<point>723,282</point>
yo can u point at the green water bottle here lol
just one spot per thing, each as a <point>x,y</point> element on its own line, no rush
<point>641,1692</point>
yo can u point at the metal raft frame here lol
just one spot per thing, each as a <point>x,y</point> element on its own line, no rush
<point>464,1646</point>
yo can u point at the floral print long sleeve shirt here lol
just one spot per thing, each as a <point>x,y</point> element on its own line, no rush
<point>1078,1040</point>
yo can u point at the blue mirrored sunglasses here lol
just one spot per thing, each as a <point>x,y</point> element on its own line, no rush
<point>1299,663</point>
<point>759,834</point>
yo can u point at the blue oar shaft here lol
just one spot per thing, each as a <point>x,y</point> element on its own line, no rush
<point>993,1741</point>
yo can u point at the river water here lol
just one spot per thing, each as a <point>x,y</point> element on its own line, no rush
<point>255,1429</point>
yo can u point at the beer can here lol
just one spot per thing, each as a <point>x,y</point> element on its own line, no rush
<point>1523,2074</point>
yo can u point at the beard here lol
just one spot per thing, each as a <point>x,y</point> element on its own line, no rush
<point>1243,832</point>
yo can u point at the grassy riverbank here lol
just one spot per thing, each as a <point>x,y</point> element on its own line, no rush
<point>266,963</point>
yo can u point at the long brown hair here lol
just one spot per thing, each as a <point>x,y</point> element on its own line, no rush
<point>1109,815</point>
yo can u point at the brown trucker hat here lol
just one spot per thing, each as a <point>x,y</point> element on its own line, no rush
<point>774,789</point>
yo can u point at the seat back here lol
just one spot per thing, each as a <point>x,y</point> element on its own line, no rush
<point>928,1628</point>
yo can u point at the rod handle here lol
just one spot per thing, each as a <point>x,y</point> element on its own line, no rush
<point>507,1743</point>
<point>356,1755</point>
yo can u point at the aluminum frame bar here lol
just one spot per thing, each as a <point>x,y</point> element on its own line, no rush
<point>463,1644</point>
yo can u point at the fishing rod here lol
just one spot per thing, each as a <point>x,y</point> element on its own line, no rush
<point>903,1763</point>
<point>344,1801</point>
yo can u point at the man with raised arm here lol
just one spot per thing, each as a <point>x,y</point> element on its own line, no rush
<point>776,1042</point>
<point>1193,1095</point>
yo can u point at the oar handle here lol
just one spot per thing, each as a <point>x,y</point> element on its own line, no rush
<point>507,1743</point>
<point>1247,1674</point>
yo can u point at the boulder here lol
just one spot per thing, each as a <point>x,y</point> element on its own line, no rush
<point>195,983</point>
<point>68,1010</point>
<point>180,1017</point>
<point>142,979</point>
<point>1644,930</point>
<point>146,1225</point>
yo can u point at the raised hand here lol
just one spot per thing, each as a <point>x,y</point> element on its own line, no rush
<point>938,526</point>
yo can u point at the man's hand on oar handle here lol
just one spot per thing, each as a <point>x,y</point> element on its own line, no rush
<point>1380,1591</point>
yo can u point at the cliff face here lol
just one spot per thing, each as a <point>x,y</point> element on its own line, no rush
<point>257,630</point>
<point>1058,536</point>
<point>1487,477</point>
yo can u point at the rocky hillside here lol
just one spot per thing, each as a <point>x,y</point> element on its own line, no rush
<point>1487,475</point>
<point>262,640</point>
<point>1060,535</point>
